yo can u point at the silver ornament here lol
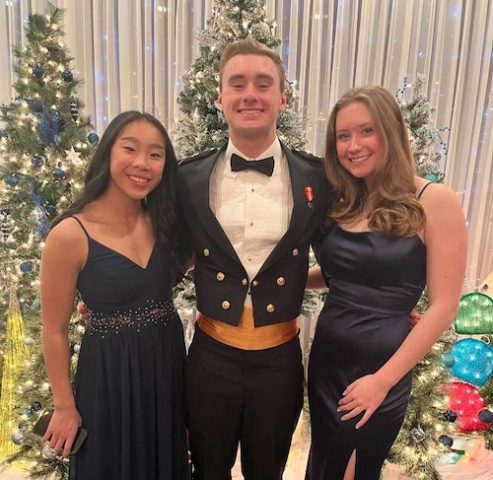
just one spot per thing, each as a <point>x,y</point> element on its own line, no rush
<point>418,434</point>
<point>47,452</point>
<point>29,341</point>
<point>261,30</point>
<point>18,437</point>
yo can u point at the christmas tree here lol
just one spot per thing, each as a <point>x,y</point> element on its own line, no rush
<point>45,142</point>
<point>452,397</point>
<point>427,143</point>
<point>428,423</point>
<point>203,127</point>
<point>43,146</point>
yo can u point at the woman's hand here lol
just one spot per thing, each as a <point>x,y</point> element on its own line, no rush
<point>365,394</point>
<point>62,430</point>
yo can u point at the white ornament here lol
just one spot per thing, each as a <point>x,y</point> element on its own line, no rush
<point>73,157</point>
<point>47,452</point>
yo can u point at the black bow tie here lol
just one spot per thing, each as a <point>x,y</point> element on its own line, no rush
<point>265,166</point>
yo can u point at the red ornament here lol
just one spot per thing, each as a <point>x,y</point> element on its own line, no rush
<point>309,194</point>
<point>467,403</point>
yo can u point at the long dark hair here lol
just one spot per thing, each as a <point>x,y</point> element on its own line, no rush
<point>160,203</point>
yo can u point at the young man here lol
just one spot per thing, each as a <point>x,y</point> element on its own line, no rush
<point>252,208</point>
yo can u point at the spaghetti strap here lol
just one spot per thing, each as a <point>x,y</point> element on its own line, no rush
<point>418,196</point>
<point>81,226</point>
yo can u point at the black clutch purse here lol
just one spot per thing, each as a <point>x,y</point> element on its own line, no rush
<point>41,426</point>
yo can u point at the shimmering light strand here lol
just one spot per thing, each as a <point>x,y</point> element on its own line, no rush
<point>15,354</point>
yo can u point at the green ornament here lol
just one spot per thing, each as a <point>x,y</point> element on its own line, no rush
<point>475,314</point>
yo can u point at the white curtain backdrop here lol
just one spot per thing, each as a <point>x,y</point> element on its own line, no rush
<point>132,54</point>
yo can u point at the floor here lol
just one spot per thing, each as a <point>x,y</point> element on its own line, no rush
<point>480,468</point>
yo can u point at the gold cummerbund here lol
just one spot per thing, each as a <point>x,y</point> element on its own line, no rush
<point>246,336</point>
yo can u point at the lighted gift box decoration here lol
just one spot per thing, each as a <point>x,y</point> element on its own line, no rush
<point>469,407</point>
<point>475,315</point>
<point>470,361</point>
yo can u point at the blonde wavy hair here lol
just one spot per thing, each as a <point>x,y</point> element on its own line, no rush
<point>391,206</point>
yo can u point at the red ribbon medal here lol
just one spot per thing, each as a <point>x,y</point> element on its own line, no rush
<point>309,196</point>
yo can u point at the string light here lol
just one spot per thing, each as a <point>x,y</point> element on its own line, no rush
<point>15,353</point>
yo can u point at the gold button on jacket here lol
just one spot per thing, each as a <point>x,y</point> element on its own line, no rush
<point>281,281</point>
<point>270,308</point>
<point>225,305</point>
<point>206,252</point>
<point>220,276</point>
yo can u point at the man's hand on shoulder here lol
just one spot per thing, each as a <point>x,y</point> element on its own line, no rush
<point>83,312</point>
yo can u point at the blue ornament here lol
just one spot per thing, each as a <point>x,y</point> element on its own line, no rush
<point>485,416</point>
<point>26,267</point>
<point>450,416</point>
<point>39,215</point>
<point>35,105</point>
<point>473,361</point>
<point>57,123</point>
<point>37,161</point>
<point>49,208</point>
<point>445,440</point>
<point>67,75</point>
<point>36,405</point>
<point>11,180</point>
<point>36,304</point>
<point>45,132</point>
<point>58,174</point>
<point>38,72</point>
<point>3,134</point>
<point>431,177</point>
<point>50,125</point>
<point>447,360</point>
<point>93,138</point>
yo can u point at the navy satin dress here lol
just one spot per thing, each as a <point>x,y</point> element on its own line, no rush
<point>374,283</point>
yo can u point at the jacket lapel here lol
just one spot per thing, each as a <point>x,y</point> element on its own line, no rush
<point>199,179</point>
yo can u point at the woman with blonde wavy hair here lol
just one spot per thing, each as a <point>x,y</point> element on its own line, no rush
<point>389,234</point>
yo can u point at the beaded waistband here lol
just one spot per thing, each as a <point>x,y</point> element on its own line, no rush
<point>152,313</point>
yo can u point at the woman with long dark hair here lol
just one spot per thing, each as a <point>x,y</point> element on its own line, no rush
<point>118,246</point>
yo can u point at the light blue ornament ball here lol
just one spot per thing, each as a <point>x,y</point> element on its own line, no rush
<point>473,361</point>
<point>431,177</point>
